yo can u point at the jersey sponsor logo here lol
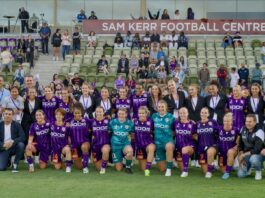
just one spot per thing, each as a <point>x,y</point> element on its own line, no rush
<point>77,124</point>
<point>227,139</point>
<point>123,106</point>
<point>142,129</point>
<point>120,133</point>
<point>48,104</point>
<point>204,130</point>
<point>139,100</point>
<point>42,132</point>
<point>183,132</point>
<point>55,134</point>
<point>236,107</point>
<point>161,126</point>
<point>100,128</point>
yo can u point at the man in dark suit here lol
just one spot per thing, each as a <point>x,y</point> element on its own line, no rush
<point>123,65</point>
<point>12,140</point>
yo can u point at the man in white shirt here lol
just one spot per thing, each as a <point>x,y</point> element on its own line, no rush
<point>7,59</point>
<point>12,140</point>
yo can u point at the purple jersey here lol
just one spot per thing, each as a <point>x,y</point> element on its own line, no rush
<point>137,102</point>
<point>79,131</point>
<point>143,132</point>
<point>207,134</point>
<point>237,107</point>
<point>100,133</point>
<point>68,115</point>
<point>49,107</point>
<point>59,137</point>
<point>184,132</point>
<point>227,140</point>
<point>41,134</point>
<point>124,103</point>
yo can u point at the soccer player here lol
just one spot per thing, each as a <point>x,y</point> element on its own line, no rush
<point>185,130</point>
<point>100,140</point>
<point>237,106</point>
<point>39,141</point>
<point>67,104</point>
<point>121,127</point>
<point>163,137</point>
<point>207,131</point>
<point>138,99</point>
<point>123,102</point>
<point>228,145</point>
<point>49,103</point>
<point>143,131</point>
<point>80,137</point>
<point>59,141</point>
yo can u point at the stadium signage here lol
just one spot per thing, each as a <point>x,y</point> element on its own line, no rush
<point>203,26</point>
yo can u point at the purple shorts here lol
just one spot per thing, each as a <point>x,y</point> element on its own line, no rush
<point>178,153</point>
<point>141,153</point>
<point>97,153</point>
<point>44,152</point>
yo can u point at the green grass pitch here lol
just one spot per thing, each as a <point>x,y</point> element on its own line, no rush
<point>51,183</point>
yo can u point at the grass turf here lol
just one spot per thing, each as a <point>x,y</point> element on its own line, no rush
<point>52,183</point>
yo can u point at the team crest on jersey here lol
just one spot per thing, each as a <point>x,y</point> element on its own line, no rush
<point>148,123</point>
<point>233,132</point>
<point>105,122</point>
<point>221,133</point>
<point>63,129</point>
<point>115,127</point>
<point>126,127</point>
<point>37,127</point>
<point>167,120</point>
<point>128,101</point>
<point>189,126</point>
<point>210,123</point>
<point>53,99</point>
<point>241,101</point>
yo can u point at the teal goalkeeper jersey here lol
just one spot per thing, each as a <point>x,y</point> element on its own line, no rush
<point>120,132</point>
<point>163,128</point>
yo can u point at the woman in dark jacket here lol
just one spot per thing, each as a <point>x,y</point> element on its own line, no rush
<point>56,43</point>
<point>29,46</point>
<point>194,103</point>
<point>105,102</point>
<point>31,105</point>
<point>153,98</point>
<point>175,100</point>
<point>216,103</point>
<point>255,103</point>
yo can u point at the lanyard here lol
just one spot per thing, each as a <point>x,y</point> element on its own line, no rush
<point>85,103</point>
<point>105,107</point>
<point>177,103</point>
<point>255,105</point>
<point>14,104</point>
<point>214,103</point>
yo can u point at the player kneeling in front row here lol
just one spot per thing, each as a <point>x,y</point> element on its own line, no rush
<point>163,138</point>
<point>39,141</point>
<point>228,141</point>
<point>100,140</point>
<point>120,144</point>
<point>59,141</point>
<point>185,130</point>
<point>144,141</point>
<point>80,140</point>
<point>207,131</point>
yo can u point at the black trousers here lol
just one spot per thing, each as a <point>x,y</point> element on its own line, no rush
<point>24,25</point>
<point>44,44</point>
<point>30,58</point>
<point>16,149</point>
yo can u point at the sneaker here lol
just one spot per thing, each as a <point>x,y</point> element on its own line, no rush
<point>14,168</point>
<point>154,162</point>
<point>258,175</point>
<point>175,164</point>
<point>31,168</point>
<point>53,58</point>
<point>208,175</point>
<point>249,172</point>
<point>215,163</point>
<point>128,171</point>
<point>147,173</point>
<point>36,159</point>
<point>184,174</point>
<point>85,170</point>
<point>168,173</point>
<point>193,163</point>
<point>226,176</point>
<point>68,169</point>
<point>102,171</point>
<point>197,164</point>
